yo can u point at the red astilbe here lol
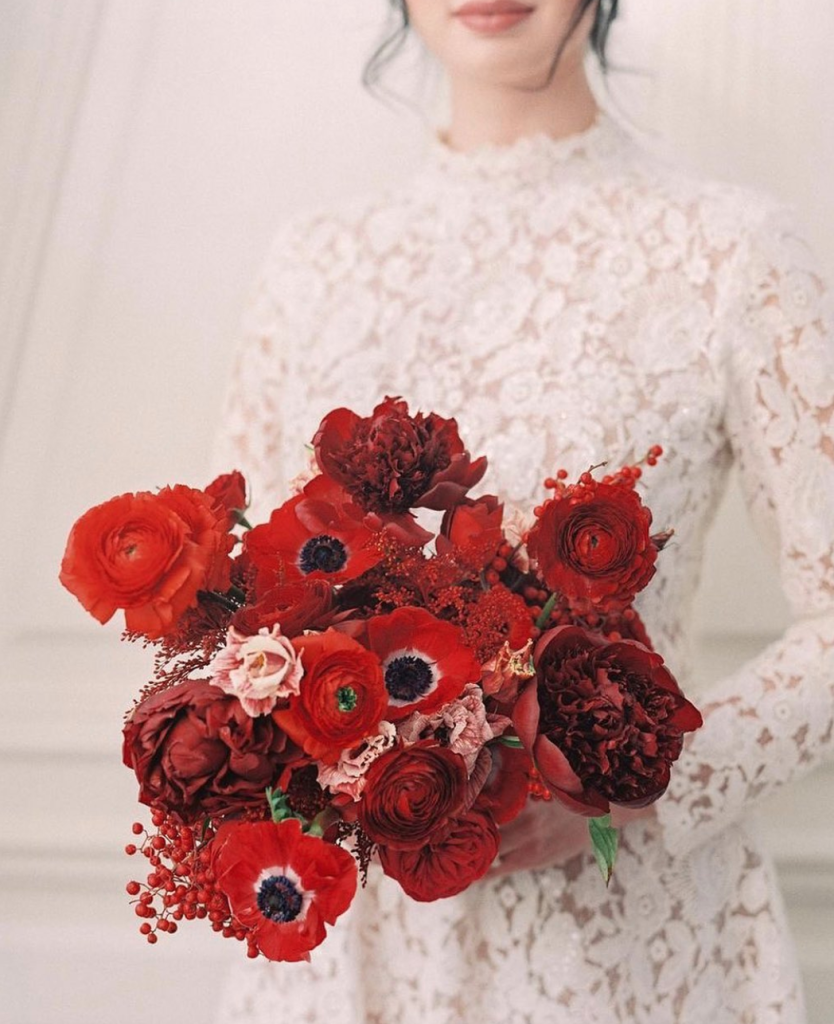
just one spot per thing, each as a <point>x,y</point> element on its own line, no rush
<point>391,461</point>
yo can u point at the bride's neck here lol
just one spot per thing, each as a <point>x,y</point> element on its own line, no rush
<point>493,113</point>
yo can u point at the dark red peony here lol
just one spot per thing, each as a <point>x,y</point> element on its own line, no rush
<point>318,534</point>
<point>149,554</point>
<point>413,795</point>
<point>282,885</point>
<point>592,544</point>
<point>391,461</point>
<point>197,753</point>
<point>425,662</point>
<point>445,868</point>
<point>294,606</point>
<point>604,721</point>
<point>472,529</point>
<point>229,491</point>
<point>342,698</point>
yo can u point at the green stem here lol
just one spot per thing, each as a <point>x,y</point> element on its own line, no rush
<point>541,621</point>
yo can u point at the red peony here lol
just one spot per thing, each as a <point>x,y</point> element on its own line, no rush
<point>229,491</point>
<point>445,868</point>
<point>319,534</point>
<point>342,698</point>
<point>425,662</point>
<point>391,461</point>
<point>604,721</point>
<point>149,554</point>
<point>592,544</point>
<point>282,885</point>
<point>294,606</point>
<point>197,753</point>
<point>472,529</point>
<point>412,796</point>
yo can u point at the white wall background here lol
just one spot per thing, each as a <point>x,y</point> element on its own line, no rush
<point>148,149</point>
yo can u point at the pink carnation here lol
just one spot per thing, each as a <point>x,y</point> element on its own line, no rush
<point>464,724</point>
<point>258,670</point>
<point>348,775</point>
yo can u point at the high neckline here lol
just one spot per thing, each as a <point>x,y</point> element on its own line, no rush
<point>529,158</point>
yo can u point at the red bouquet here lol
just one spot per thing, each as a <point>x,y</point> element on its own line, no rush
<point>341,684</point>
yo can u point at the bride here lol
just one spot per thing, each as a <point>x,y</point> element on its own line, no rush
<point>571,300</point>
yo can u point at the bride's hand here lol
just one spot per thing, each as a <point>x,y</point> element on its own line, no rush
<point>546,834</point>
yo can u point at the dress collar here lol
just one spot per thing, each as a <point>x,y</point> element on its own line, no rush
<point>529,159</point>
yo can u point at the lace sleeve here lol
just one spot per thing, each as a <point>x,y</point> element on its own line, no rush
<point>249,435</point>
<point>773,719</point>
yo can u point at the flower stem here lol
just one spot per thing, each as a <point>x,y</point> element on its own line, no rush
<point>541,621</point>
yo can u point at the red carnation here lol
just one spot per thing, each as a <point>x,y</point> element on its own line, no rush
<point>342,698</point>
<point>319,534</point>
<point>282,885</point>
<point>604,721</point>
<point>412,795</point>
<point>229,491</point>
<point>197,753</point>
<point>445,868</point>
<point>472,529</point>
<point>391,461</point>
<point>592,544</point>
<point>425,661</point>
<point>149,554</point>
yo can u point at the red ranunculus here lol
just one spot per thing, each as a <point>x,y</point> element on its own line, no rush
<point>318,534</point>
<point>592,545</point>
<point>342,698</point>
<point>603,720</point>
<point>229,491</point>
<point>425,662</point>
<point>412,795</point>
<point>294,606</point>
<point>472,529</point>
<point>445,868</point>
<point>197,753</point>
<point>282,885</point>
<point>391,461</point>
<point>149,554</point>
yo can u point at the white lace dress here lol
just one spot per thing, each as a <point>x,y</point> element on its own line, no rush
<point>571,302</point>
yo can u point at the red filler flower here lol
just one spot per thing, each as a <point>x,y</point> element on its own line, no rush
<point>425,662</point>
<point>282,885</point>
<point>391,461</point>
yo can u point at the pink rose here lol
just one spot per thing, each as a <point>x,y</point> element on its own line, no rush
<point>348,774</point>
<point>462,725</point>
<point>258,670</point>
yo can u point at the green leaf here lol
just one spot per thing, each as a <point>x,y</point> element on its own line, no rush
<point>511,741</point>
<point>604,839</point>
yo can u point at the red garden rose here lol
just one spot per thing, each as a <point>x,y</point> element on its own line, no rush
<point>282,885</point>
<point>592,544</point>
<point>391,461</point>
<point>412,795</point>
<point>472,529</point>
<point>318,534</point>
<point>149,554</point>
<point>445,868</point>
<point>197,753</point>
<point>229,491</point>
<point>604,721</point>
<point>342,697</point>
<point>294,606</point>
<point>425,662</point>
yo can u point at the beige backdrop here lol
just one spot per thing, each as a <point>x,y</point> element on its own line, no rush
<point>148,149</point>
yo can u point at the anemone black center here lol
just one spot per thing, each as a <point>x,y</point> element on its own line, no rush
<point>408,678</point>
<point>328,554</point>
<point>279,899</point>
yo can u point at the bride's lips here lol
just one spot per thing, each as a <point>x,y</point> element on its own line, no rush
<point>490,18</point>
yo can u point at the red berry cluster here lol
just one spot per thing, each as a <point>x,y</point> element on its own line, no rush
<point>627,476</point>
<point>180,884</point>
<point>536,789</point>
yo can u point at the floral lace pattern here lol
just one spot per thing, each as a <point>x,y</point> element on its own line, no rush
<point>573,301</point>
